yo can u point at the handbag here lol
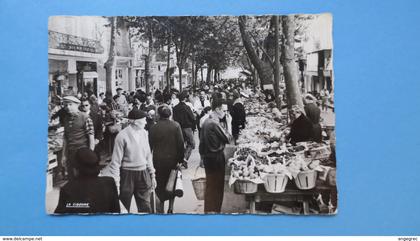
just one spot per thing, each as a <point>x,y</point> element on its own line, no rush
<point>179,188</point>
<point>170,185</point>
<point>174,185</point>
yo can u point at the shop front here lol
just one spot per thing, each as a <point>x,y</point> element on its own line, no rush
<point>74,63</point>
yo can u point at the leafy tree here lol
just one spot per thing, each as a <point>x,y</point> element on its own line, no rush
<point>151,30</point>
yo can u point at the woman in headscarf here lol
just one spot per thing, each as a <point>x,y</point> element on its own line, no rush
<point>301,127</point>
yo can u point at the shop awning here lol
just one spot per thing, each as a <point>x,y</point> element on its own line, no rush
<point>90,75</point>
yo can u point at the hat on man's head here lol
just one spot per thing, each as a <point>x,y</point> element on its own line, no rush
<point>136,114</point>
<point>72,99</point>
<point>119,88</point>
<point>87,162</point>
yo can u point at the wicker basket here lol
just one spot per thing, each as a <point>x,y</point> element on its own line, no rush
<point>306,180</point>
<point>275,183</point>
<point>245,187</point>
<point>199,186</point>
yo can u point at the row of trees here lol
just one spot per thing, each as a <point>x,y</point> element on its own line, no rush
<point>272,52</point>
<point>264,46</point>
<point>210,41</point>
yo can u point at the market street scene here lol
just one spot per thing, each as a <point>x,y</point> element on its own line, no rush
<point>191,115</point>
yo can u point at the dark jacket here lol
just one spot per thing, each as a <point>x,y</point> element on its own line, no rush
<point>314,115</point>
<point>97,124</point>
<point>212,138</point>
<point>75,131</point>
<point>166,141</point>
<point>89,195</point>
<point>301,130</point>
<point>184,115</point>
<point>167,145</point>
<point>238,118</point>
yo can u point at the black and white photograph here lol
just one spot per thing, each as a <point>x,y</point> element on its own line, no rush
<point>191,115</point>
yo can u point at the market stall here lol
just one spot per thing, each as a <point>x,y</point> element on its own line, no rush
<point>55,168</point>
<point>267,168</point>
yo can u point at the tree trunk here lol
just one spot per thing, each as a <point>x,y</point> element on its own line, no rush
<point>215,76</point>
<point>290,68</point>
<point>202,75</point>
<point>208,75</point>
<point>264,71</point>
<point>255,79</point>
<point>147,60</point>
<point>196,76</point>
<point>193,73</point>
<point>180,77</point>
<point>110,62</point>
<point>168,74</point>
<point>277,63</point>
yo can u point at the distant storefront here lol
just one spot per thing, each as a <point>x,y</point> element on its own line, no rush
<point>318,72</point>
<point>73,65</point>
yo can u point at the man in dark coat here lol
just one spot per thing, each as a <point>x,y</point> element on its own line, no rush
<point>238,117</point>
<point>213,139</point>
<point>88,193</point>
<point>185,117</point>
<point>167,145</point>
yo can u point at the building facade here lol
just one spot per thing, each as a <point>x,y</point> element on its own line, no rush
<point>78,48</point>
<point>76,55</point>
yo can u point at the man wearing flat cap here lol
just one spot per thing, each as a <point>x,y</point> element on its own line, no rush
<point>78,133</point>
<point>131,165</point>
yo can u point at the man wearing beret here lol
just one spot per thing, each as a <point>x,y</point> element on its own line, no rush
<point>78,133</point>
<point>131,165</point>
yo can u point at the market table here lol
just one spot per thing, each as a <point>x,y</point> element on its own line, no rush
<point>290,194</point>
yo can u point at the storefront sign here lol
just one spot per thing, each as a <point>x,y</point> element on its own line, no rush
<point>69,42</point>
<point>74,47</point>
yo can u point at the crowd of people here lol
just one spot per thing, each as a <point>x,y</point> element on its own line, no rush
<point>159,137</point>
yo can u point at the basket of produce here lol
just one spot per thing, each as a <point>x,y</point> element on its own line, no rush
<point>305,173</point>
<point>245,187</point>
<point>275,176</point>
<point>306,179</point>
<point>245,175</point>
<point>275,183</point>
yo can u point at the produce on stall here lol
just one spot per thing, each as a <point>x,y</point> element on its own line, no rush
<point>263,156</point>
